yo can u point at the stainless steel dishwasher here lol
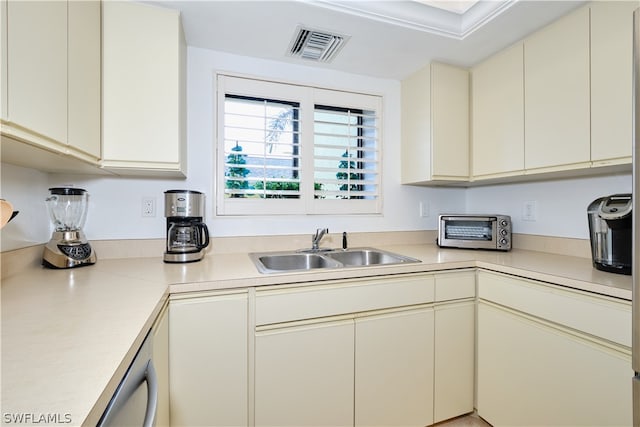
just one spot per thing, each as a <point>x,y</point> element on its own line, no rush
<point>133,403</point>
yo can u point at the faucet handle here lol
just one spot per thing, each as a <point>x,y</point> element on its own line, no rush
<point>315,240</point>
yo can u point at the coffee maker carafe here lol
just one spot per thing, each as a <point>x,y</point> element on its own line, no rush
<point>187,234</point>
<point>610,230</point>
<point>68,246</point>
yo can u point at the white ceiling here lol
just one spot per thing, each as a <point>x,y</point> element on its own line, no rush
<point>389,39</point>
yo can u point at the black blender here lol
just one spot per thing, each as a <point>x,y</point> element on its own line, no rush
<point>187,234</point>
<point>68,246</point>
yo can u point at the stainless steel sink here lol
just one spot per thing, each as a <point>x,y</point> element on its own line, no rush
<point>368,256</point>
<point>293,261</point>
<point>278,262</point>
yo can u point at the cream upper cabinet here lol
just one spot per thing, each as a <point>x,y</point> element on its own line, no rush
<point>51,82</point>
<point>37,68</point>
<point>84,72</point>
<point>498,115</point>
<point>611,81</point>
<point>435,125</point>
<point>394,369</point>
<point>208,359</point>
<point>556,95</point>
<point>143,94</point>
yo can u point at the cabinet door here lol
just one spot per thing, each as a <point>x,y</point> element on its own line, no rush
<point>304,375</point>
<point>416,127</point>
<point>450,122</point>
<point>454,374</point>
<point>161,364</point>
<point>611,81</point>
<point>143,88</point>
<point>498,114</point>
<point>394,369</point>
<point>557,114</point>
<point>208,361</point>
<point>532,373</point>
<point>435,125</point>
<point>84,65</point>
<point>37,69</point>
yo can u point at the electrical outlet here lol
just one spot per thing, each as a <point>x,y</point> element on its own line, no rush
<point>530,210</point>
<point>148,206</point>
<point>424,209</point>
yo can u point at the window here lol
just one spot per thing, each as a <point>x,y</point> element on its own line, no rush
<point>344,146</point>
<point>261,142</point>
<point>296,149</point>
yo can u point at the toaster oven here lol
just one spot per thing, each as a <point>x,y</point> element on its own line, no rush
<point>475,232</point>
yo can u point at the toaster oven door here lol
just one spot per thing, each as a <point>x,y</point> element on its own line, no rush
<point>468,232</point>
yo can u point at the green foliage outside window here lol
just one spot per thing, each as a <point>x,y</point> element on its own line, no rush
<point>352,176</point>
<point>235,158</point>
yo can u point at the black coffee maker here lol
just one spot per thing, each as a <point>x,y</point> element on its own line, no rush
<point>187,234</point>
<point>610,229</point>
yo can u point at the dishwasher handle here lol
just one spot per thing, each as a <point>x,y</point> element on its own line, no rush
<point>132,381</point>
<point>152,395</point>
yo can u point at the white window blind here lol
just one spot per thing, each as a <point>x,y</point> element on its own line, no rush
<point>261,148</point>
<point>290,149</point>
<point>345,153</point>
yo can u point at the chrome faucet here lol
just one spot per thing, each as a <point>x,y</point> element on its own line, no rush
<point>315,239</point>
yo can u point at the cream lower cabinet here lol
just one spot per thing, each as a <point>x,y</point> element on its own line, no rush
<point>362,352</point>
<point>454,359</point>
<point>394,368</point>
<point>375,370</point>
<point>304,374</point>
<point>208,359</point>
<point>550,356</point>
<point>454,344</point>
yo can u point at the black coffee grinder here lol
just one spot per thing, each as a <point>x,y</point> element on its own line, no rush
<point>187,234</point>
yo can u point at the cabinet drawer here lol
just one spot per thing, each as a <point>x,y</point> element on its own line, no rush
<point>289,304</point>
<point>455,285</point>
<point>600,316</point>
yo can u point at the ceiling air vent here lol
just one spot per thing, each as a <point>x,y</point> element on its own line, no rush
<point>316,45</point>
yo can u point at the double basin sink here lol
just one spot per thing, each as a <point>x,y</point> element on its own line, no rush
<point>280,262</point>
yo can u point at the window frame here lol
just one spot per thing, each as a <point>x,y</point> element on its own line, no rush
<point>308,97</point>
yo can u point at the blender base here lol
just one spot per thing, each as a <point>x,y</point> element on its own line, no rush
<point>68,250</point>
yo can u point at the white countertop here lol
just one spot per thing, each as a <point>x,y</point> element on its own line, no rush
<point>68,336</point>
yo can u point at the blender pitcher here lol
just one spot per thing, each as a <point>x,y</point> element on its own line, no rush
<point>67,208</point>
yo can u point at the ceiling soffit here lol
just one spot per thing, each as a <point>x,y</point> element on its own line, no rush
<point>422,15</point>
